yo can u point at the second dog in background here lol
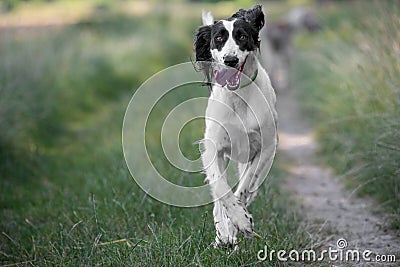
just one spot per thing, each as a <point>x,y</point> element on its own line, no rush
<point>277,48</point>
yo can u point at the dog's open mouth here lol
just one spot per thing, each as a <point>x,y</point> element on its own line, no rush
<point>229,77</point>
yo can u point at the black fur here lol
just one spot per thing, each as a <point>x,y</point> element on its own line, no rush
<point>203,53</point>
<point>202,43</point>
<point>240,28</point>
<point>255,17</point>
<point>218,30</point>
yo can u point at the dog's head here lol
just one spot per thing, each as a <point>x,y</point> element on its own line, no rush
<point>228,42</point>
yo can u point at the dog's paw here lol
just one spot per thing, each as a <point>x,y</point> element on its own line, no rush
<point>241,218</point>
<point>228,247</point>
<point>224,243</point>
<point>226,232</point>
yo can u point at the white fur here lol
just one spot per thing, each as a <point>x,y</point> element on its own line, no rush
<point>239,126</point>
<point>207,17</point>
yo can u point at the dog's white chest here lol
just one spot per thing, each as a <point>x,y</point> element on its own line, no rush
<point>232,107</point>
<point>225,106</point>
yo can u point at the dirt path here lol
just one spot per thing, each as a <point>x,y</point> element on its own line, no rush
<point>331,210</point>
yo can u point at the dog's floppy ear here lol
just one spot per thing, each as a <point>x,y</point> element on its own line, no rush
<point>202,41</point>
<point>241,12</point>
<point>255,17</point>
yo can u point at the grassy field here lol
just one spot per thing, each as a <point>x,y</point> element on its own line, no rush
<point>349,83</point>
<point>66,195</point>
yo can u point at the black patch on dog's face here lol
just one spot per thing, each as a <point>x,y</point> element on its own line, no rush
<point>219,35</point>
<point>245,36</point>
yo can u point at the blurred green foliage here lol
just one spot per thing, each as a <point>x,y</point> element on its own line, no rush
<point>349,81</point>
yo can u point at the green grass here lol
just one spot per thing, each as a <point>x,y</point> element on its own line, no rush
<point>65,191</point>
<point>349,82</point>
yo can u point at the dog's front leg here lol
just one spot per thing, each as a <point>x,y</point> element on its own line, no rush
<point>253,173</point>
<point>230,215</point>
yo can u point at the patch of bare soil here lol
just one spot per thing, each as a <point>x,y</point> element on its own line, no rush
<point>331,211</point>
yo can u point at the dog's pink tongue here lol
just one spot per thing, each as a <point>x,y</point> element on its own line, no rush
<point>223,75</point>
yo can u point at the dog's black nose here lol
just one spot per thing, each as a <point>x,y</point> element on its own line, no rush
<point>231,61</point>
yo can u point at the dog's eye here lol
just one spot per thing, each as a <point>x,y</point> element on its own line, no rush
<point>218,38</point>
<point>243,37</point>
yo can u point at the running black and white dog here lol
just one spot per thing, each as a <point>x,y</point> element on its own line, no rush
<point>240,117</point>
